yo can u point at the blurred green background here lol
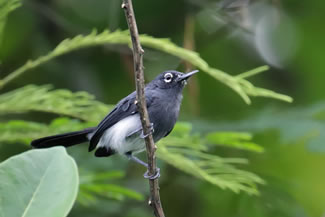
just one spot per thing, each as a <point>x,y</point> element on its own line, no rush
<point>234,36</point>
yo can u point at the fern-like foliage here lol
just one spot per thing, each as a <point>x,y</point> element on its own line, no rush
<point>93,185</point>
<point>189,153</point>
<point>234,140</point>
<point>6,6</point>
<point>238,83</point>
<point>79,105</point>
<point>100,185</point>
<point>299,125</point>
<point>181,149</point>
<point>19,131</point>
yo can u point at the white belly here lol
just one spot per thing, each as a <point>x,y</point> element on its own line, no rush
<point>115,136</point>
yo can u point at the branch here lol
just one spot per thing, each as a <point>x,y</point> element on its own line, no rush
<point>189,44</point>
<point>154,200</point>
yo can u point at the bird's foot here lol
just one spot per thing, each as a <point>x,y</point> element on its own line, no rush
<point>154,176</point>
<point>151,129</point>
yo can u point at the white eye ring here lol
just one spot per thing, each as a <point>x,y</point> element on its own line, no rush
<point>168,77</point>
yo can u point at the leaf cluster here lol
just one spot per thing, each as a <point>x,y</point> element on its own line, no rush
<point>238,83</point>
<point>190,154</point>
<point>181,149</point>
<point>98,185</point>
<point>31,98</point>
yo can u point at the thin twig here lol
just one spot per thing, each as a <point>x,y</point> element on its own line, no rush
<point>154,200</point>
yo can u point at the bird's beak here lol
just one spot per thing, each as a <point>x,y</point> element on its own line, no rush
<point>187,75</point>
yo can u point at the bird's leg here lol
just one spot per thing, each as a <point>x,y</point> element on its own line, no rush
<point>145,175</point>
<point>135,159</point>
<point>142,136</point>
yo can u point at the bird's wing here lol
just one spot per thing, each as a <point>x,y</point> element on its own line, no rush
<point>168,132</point>
<point>124,108</point>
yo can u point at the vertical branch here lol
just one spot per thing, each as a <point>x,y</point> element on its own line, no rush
<point>189,44</point>
<point>154,200</point>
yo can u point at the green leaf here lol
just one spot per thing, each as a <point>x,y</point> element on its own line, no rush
<point>234,140</point>
<point>111,191</point>
<point>38,183</point>
<point>189,153</point>
<point>238,83</point>
<point>94,186</point>
<point>243,87</point>
<point>6,6</point>
<point>213,169</point>
<point>80,105</point>
<point>180,149</point>
<point>25,131</point>
<point>69,45</point>
<point>253,72</point>
<point>302,125</point>
<point>182,129</point>
<point>103,176</point>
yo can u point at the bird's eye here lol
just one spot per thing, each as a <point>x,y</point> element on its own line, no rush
<point>168,77</point>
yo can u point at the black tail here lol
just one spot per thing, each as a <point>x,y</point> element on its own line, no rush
<point>66,139</point>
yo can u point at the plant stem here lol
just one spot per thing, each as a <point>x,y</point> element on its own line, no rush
<point>138,52</point>
<point>189,44</point>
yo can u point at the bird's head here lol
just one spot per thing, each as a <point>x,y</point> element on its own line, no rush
<point>172,79</point>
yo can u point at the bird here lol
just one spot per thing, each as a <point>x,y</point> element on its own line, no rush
<point>120,132</point>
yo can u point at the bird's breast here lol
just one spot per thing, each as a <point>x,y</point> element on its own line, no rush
<point>163,114</point>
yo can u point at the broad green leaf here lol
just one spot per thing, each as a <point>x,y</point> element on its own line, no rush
<point>238,83</point>
<point>38,183</point>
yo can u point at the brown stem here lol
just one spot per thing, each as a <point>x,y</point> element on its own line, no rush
<point>189,43</point>
<point>154,200</point>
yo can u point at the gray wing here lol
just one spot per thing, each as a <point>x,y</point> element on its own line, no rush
<point>123,109</point>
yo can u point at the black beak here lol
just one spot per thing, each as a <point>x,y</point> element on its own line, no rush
<point>187,75</point>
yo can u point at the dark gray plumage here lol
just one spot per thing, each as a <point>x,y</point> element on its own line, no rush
<point>121,131</point>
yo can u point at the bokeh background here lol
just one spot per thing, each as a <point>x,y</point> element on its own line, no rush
<point>234,36</point>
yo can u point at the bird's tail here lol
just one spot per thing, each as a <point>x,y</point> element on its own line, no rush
<point>66,139</point>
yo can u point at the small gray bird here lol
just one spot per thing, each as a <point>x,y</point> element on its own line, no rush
<point>121,130</point>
